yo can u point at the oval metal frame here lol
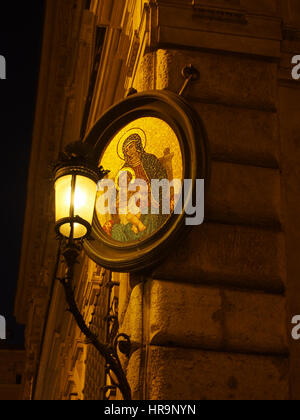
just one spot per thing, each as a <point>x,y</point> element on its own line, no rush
<point>189,129</point>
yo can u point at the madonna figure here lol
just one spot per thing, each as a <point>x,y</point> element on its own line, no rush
<point>138,165</point>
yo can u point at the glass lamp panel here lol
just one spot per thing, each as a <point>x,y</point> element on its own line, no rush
<point>84,203</point>
<point>63,197</point>
<point>84,198</point>
<point>79,230</point>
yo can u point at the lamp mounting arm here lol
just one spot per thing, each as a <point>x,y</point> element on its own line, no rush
<point>190,74</point>
<point>109,352</point>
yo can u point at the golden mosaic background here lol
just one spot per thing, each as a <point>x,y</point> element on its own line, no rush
<point>160,136</point>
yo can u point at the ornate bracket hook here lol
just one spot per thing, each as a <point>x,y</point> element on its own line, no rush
<point>190,74</point>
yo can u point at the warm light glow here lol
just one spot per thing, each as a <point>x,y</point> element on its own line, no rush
<point>79,230</point>
<point>63,197</point>
<point>84,202</point>
<point>85,195</point>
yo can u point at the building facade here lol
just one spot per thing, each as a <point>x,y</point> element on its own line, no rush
<point>213,320</point>
<point>12,363</point>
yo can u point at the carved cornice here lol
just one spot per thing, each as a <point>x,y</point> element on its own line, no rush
<point>291,33</point>
<point>219,13</point>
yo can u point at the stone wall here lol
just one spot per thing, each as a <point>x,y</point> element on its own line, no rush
<point>12,363</point>
<point>211,321</point>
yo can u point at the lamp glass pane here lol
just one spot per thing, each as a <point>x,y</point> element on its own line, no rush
<point>84,203</point>
<point>79,230</point>
<point>84,198</point>
<point>63,197</point>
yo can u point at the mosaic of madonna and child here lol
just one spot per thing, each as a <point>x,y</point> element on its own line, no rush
<point>146,149</point>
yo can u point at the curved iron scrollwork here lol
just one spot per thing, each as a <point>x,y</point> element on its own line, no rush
<point>110,350</point>
<point>124,345</point>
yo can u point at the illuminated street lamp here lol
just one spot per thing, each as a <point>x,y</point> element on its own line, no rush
<point>76,175</point>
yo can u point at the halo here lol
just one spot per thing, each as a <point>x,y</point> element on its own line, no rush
<point>130,170</point>
<point>128,133</point>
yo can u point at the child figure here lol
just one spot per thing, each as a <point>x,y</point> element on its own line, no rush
<point>125,215</point>
<point>137,225</point>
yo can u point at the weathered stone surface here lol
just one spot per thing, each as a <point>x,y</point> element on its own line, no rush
<point>241,135</point>
<point>244,194</point>
<point>183,315</point>
<point>193,316</point>
<point>181,374</point>
<point>255,321</point>
<point>238,256</point>
<point>269,6</point>
<point>249,82</point>
<point>145,76</point>
<point>291,10</point>
<point>184,38</point>
<point>249,27</point>
<point>290,132</point>
<point>134,374</point>
<point>124,292</point>
<point>132,323</point>
<point>236,21</point>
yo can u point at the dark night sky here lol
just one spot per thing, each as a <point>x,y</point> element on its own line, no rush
<point>21,26</point>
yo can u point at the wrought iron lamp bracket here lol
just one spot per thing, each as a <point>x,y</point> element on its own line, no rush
<point>71,251</point>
